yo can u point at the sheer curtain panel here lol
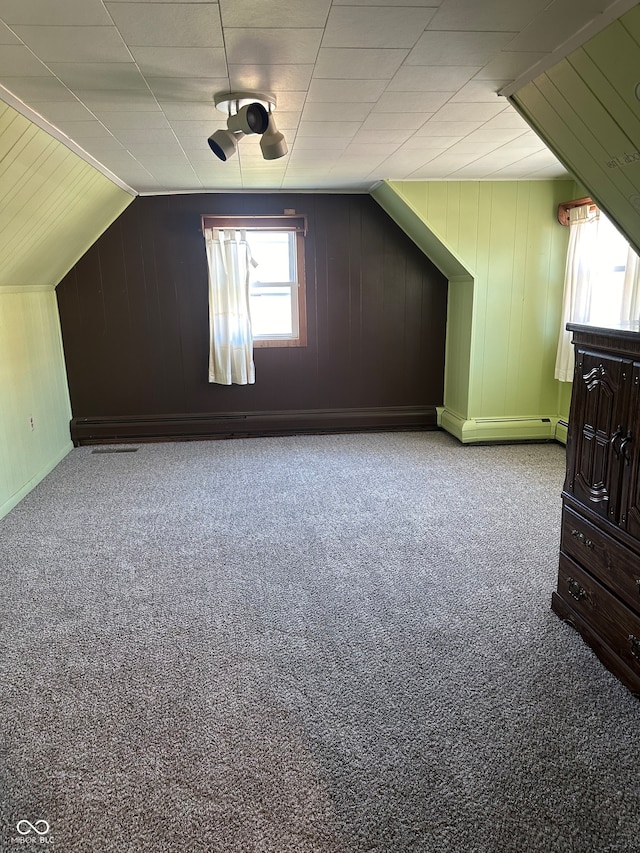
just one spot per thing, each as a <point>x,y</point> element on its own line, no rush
<point>576,305</point>
<point>231,342</point>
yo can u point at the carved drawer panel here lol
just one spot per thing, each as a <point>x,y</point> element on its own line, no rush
<point>616,625</point>
<point>612,563</point>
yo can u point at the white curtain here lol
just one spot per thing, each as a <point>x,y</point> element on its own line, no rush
<point>583,226</point>
<point>591,292</point>
<point>631,291</point>
<point>231,342</point>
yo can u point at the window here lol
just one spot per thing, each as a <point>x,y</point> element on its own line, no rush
<point>276,280</point>
<point>602,280</point>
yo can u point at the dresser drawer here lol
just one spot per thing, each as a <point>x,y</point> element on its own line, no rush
<point>616,625</point>
<point>612,563</point>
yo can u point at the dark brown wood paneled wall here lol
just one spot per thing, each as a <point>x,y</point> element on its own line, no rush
<point>134,321</point>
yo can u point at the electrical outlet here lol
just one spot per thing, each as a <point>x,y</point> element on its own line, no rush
<point>32,425</point>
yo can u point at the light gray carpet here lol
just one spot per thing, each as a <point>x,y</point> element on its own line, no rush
<point>321,644</point>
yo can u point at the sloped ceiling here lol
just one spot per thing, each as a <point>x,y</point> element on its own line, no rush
<point>53,205</point>
<point>366,89</point>
<point>587,108</point>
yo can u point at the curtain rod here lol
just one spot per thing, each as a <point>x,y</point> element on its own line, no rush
<point>565,207</point>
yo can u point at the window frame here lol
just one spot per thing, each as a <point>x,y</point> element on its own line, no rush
<point>296,223</point>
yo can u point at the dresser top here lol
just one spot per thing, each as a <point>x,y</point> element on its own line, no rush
<point>626,330</point>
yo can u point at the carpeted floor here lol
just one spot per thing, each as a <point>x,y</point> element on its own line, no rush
<point>321,644</point>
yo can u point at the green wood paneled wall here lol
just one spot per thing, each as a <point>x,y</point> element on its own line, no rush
<point>587,109</point>
<point>33,384</point>
<point>53,206</point>
<point>502,332</point>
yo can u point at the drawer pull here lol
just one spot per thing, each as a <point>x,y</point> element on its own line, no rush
<point>624,447</point>
<point>579,535</point>
<point>634,643</point>
<point>577,592</point>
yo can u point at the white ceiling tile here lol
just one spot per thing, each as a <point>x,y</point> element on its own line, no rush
<point>180,89</point>
<point>532,163</point>
<point>99,75</point>
<point>257,13</point>
<point>7,37</point>
<point>335,91</point>
<point>428,142</point>
<point>59,13</point>
<point>486,15</point>
<point>76,44</point>
<point>509,65</point>
<point>203,129</point>
<point>287,102</point>
<point>270,78</point>
<point>480,91</point>
<point>37,88</point>
<point>391,121</point>
<point>353,63</point>
<point>282,46</point>
<point>484,166</point>
<point>361,104</point>
<point>494,134</point>
<point>306,142</point>
<point>158,136</point>
<point>180,61</point>
<point>528,143</point>
<point>405,162</point>
<point>468,112</point>
<point>191,111</point>
<point>547,32</point>
<point>128,119</point>
<point>119,159</point>
<point>548,173</point>
<point>85,129</point>
<point>307,157</point>
<point>343,111</point>
<point>508,118</point>
<point>287,119</point>
<point>411,102</point>
<point>448,128</point>
<point>446,48</point>
<point>432,78</point>
<point>56,111</point>
<point>18,61</point>
<point>103,144</point>
<point>109,100</point>
<point>170,25</point>
<point>319,129</point>
<point>388,136</point>
<point>473,150</point>
<point>153,160</point>
<point>434,3</point>
<point>375,26</point>
<point>371,151</point>
<point>441,166</point>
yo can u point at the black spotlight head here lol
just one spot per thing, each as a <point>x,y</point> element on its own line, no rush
<point>257,118</point>
<point>252,118</point>
<point>224,143</point>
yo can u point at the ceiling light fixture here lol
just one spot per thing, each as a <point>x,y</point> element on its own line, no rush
<point>247,113</point>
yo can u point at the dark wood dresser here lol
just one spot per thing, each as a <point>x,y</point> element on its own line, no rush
<point>599,574</point>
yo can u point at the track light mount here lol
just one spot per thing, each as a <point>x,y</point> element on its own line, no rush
<point>247,113</point>
<point>231,103</point>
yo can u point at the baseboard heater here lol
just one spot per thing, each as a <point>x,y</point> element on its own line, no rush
<point>182,427</point>
<point>512,420</point>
